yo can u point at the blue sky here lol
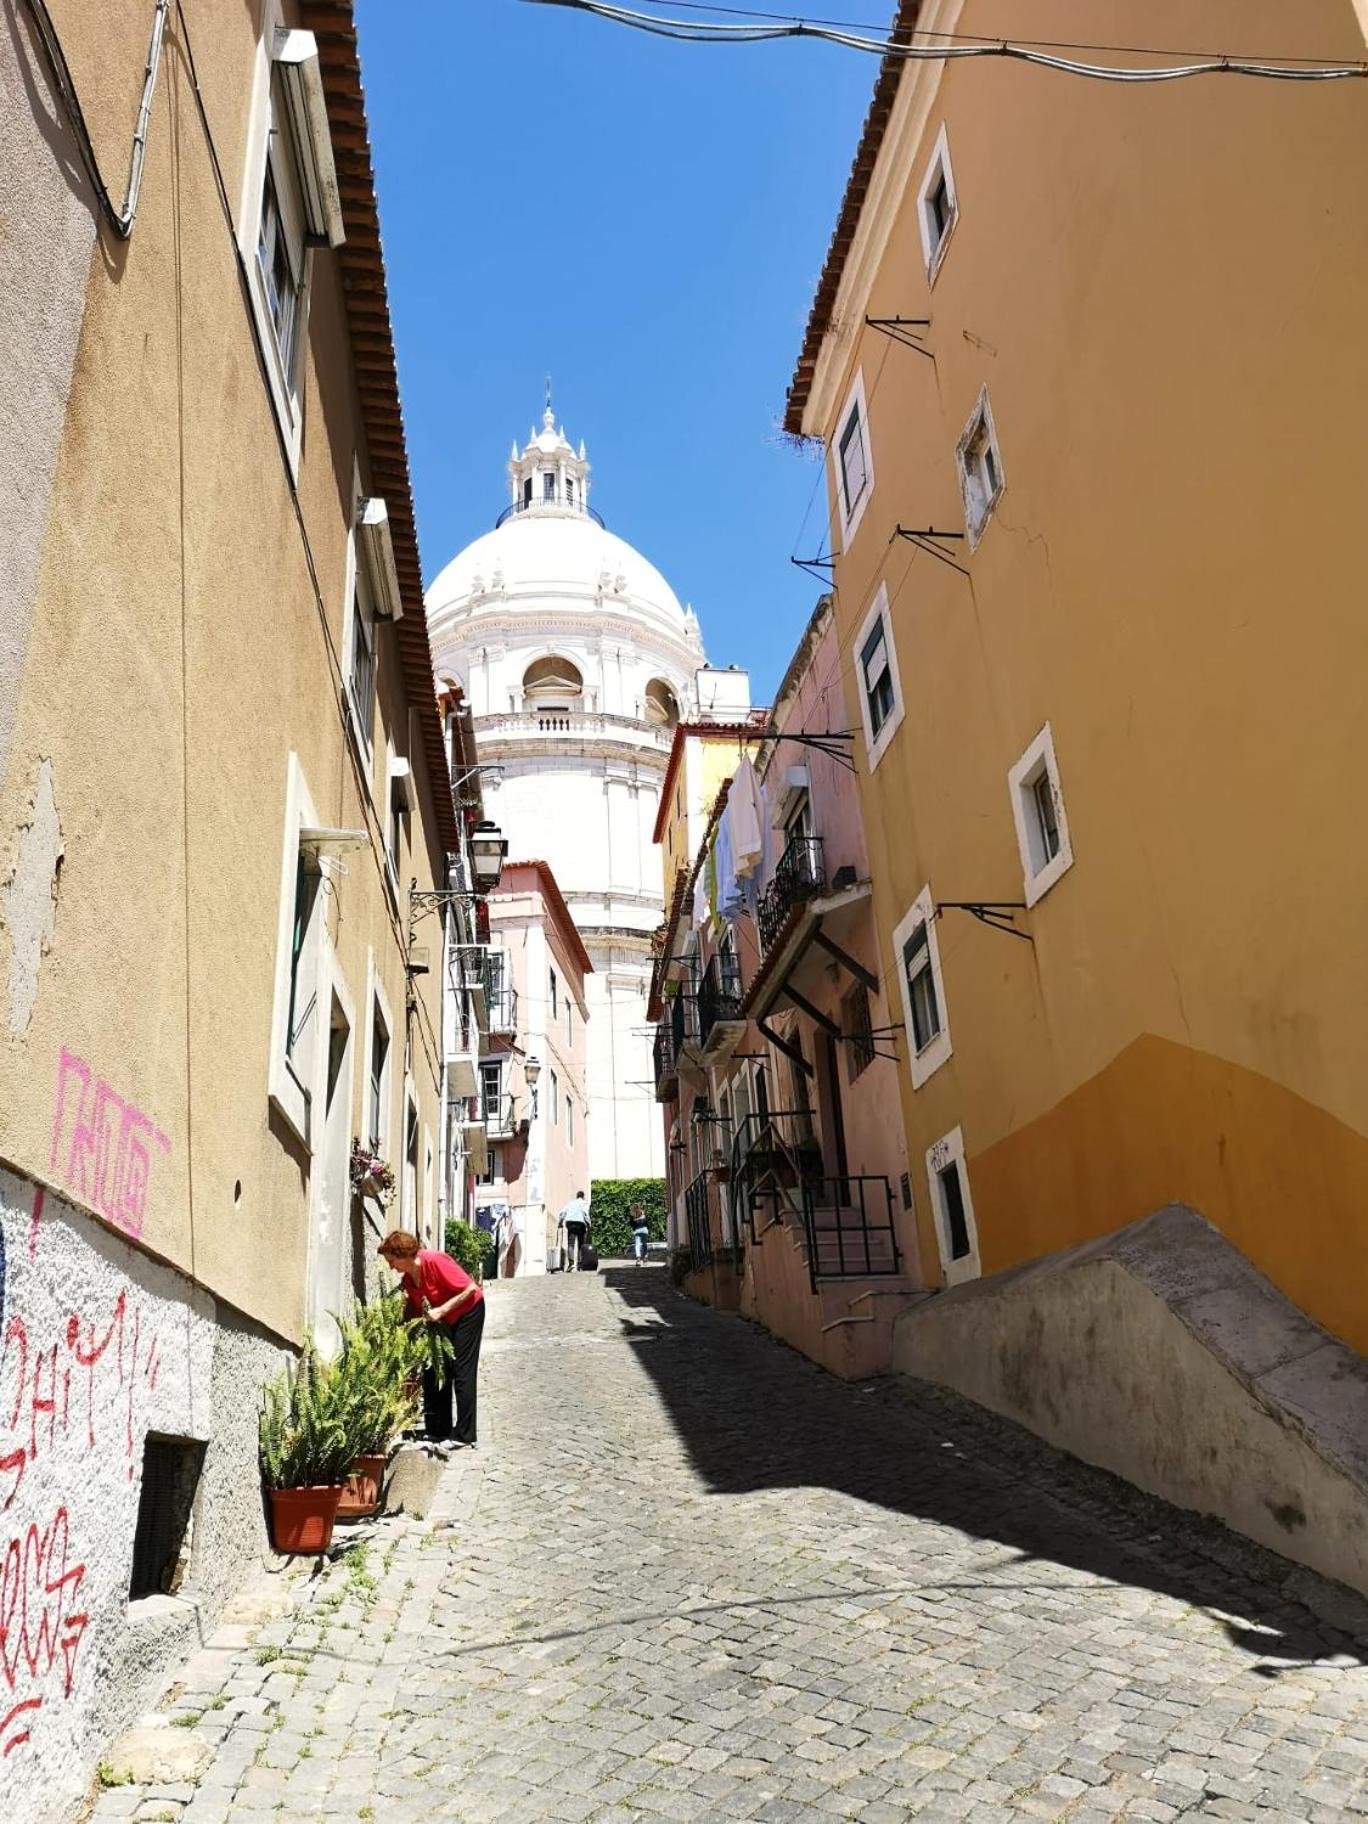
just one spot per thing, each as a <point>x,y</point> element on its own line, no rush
<point>646,222</point>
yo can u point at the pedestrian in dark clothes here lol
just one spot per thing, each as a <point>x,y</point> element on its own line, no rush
<point>440,1291</point>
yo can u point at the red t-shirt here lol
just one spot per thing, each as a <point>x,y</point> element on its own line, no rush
<point>440,1278</point>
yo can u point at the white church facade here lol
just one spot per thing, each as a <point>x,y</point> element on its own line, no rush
<point>577,661</point>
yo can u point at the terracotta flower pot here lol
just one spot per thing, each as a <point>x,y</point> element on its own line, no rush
<point>302,1518</point>
<point>361,1495</point>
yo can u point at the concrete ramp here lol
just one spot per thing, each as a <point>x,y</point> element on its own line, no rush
<point>1161,1354</point>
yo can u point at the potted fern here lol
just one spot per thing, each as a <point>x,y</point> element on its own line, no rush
<point>375,1362</point>
<point>307,1432</point>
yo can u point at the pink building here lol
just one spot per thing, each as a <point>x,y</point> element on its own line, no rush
<point>776,1055</point>
<point>532,1071</point>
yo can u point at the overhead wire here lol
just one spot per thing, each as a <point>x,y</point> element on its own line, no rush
<point>694,31</point>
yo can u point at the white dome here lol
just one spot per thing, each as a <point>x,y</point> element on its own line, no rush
<point>547,554</point>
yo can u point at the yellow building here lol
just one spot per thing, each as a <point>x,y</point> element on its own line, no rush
<point>704,753</point>
<point>221,769</point>
<point>1087,360</point>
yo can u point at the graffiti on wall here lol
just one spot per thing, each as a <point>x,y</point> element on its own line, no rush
<point>100,1145</point>
<point>98,1346</point>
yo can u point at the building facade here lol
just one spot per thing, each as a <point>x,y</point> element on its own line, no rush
<point>1091,556</point>
<point>577,661</point>
<point>205,992</point>
<point>534,1097</point>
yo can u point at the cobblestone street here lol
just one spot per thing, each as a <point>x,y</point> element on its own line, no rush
<point>688,1576</point>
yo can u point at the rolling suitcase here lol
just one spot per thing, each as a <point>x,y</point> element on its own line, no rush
<point>588,1258</point>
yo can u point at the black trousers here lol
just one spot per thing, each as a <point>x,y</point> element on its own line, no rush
<point>466,1334</point>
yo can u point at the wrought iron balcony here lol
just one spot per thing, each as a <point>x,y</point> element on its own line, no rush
<point>503,1007</point>
<point>666,1061</point>
<point>698,1207</point>
<point>800,876</point>
<point>719,1001</point>
<point>500,1116</point>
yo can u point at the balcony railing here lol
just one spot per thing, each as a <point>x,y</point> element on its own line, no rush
<point>698,1213</point>
<point>719,998</point>
<point>500,1116</point>
<point>554,504</point>
<point>773,1155</point>
<point>799,877</point>
<point>503,1007</point>
<point>666,1061</point>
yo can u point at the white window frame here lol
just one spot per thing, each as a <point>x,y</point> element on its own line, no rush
<point>408,1217</point>
<point>555,1099</point>
<point>978,512</point>
<point>286,1088</point>
<point>359,585</point>
<point>926,1062</point>
<point>876,745</point>
<point>948,1151</point>
<point>397,770</point>
<point>850,516</point>
<point>269,138</point>
<point>377,998</point>
<point>429,1186</point>
<point>933,251</point>
<point>569,1119</point>
<point>1037,763</point>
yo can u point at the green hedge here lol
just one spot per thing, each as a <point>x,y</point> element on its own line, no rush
<point>610,1203</point>
<point>472,1248</point>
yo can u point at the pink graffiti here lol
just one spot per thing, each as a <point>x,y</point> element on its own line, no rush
<point>38,1588</point>
<point>36,1218</point>
<point>107,1163</point>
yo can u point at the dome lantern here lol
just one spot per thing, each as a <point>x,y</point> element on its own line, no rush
<point>547,475</point>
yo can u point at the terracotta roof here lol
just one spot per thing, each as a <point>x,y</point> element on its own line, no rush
<point>366,297</point>
<point>551,888</point>
<point>857,188</point>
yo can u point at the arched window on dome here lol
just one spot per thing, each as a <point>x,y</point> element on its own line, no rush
<point>662,707</point>
<point>552,683</point>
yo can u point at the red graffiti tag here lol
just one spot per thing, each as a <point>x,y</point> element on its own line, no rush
<point>38,1588</point>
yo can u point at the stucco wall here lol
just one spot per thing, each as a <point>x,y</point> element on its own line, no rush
<point>1167,582</point>
<point>102,1345</point>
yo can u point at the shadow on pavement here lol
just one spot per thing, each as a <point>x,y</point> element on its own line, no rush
<point>755,1415</point>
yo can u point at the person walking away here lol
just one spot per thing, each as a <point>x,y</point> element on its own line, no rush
<point>575,1218</point>
<point>641,1232</point>
<point>440,1291</point>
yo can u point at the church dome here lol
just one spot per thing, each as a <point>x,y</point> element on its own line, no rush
<point>549,546</point>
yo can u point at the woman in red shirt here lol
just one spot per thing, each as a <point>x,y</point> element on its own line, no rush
<point>440,1291</point>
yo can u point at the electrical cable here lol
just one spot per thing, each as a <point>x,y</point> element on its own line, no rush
<point>120,220</point>
<point>1035,44</point>
<point>691,31</point>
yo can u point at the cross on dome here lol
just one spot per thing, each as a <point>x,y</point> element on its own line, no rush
<point>547,475</point>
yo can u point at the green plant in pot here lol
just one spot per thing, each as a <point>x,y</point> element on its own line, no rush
<point>307,1433</point>
<point>374,1366</point>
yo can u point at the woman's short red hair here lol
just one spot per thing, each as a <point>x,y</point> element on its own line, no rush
<point>399,1244</point>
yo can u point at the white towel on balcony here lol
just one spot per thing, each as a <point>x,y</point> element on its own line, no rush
<point>747,814</point>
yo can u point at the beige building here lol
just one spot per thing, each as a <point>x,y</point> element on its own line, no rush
<point>534,1095</point>
<point>1086,359</point>
<point>221,769</point>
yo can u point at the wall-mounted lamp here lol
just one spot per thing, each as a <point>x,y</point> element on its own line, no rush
<point>488,851</point>
<point>531,1073</point>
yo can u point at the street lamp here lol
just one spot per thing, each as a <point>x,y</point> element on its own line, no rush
<point>531,1072</point>
<point>488,848</point>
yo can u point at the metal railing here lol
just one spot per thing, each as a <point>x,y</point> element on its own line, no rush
<point>799,876</point>
<point>499,1114</point>
<point>773,1155</point>
<point>719,996</point>
<point>698,1215</point>
<point>503,1006</point>
<point>666,1060</point>
<point>565,506</point>
<point>848,1224</point>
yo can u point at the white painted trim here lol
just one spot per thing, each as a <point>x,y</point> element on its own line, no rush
<point>982,412</point>
<point>922,1064</point>
<point>855,400</point>
<point>408,1218</point>
<point>287,391</point>
<point>892,179</point>
<point>1039,757</point>
<point>354,580</point>
<point>939,163</point>
<point>376,997</point>
<point>877,746</point>
<point>949,1149</point>
<point>283,1088</point>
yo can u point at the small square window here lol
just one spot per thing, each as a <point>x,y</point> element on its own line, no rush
<point>952,1206</point>
<point>554,994</point>
<point>548,487</point>
<point>937,206</point>
<point>923,994</point>
<point>166,1504</point>
<point>980,468</point>
<point>555,1100</point>
<point>1042,828</point>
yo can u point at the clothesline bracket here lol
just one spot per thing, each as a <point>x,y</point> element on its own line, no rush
<point>835,744</point>
<point>905,331</point>
<point>922,538</point>
<point>997,914</point>
<point>815,567</point>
